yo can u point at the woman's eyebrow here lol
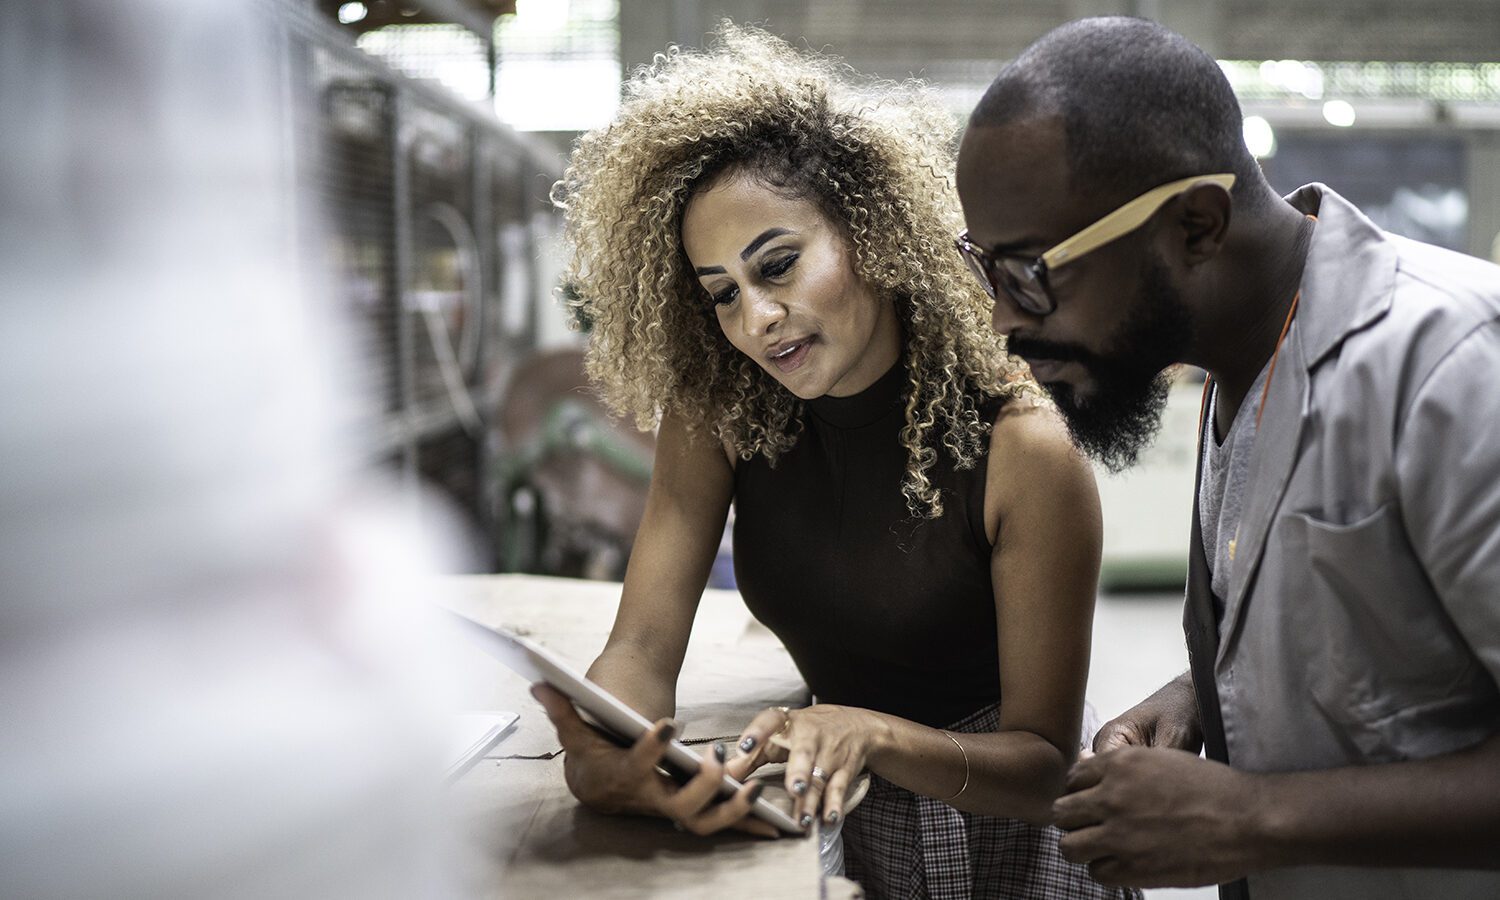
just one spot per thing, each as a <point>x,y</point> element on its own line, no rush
<point>750,248</point>
<point>761,239</point>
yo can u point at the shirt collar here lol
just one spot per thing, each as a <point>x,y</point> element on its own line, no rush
<point>1349,277</point>
<point>866,407</point>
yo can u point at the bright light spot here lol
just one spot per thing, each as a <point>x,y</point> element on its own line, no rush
<point>1293,75</point>
<point>558,95</point>
<point>1259,137</point>
<point>1290,74</point>
<point>350,13</point>
<point>1338,112</point>
<point>541,15</point>
<point>445,53</point>
<point>1312,82</point>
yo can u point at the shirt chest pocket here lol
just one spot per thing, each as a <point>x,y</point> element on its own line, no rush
<point>1382,656</point>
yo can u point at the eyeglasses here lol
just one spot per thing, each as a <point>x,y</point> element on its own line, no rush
<point>1024,279</point>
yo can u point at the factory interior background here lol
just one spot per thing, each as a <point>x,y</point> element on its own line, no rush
<point>422,139</point>
<point>433,138</point>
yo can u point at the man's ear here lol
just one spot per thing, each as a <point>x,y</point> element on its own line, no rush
<point>1203,222</point>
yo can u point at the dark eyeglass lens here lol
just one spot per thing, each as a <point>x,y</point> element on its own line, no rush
<point>1022,285</point>
<point>977,268</point>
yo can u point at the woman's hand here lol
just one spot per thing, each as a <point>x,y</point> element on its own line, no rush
<point>612,779</point>
<point>826,747</point>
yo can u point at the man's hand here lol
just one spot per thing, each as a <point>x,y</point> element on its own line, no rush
<point>1168,718</point>
<point>1158,818</point>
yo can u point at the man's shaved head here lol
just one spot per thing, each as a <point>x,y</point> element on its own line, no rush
<point>1141,106</point>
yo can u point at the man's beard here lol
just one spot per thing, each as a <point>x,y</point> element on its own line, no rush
<point>1122,415</point>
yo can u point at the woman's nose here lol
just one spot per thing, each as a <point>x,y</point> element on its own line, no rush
<point>762,314</point>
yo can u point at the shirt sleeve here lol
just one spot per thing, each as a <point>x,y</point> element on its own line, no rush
<point>1448,468</point>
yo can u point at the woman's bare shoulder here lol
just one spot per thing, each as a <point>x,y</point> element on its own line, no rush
<point>1033,461</point>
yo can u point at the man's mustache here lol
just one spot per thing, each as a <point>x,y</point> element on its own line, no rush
<point>1033,348</point>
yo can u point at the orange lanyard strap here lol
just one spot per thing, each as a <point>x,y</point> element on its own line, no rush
<point>1265,392</point>
<point>1270,373</point>
<point>1208,383</point>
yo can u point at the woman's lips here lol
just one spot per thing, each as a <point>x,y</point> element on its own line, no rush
<point>791,362</point>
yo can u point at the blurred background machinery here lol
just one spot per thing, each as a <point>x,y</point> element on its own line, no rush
<point>572,486</point>
<point>431,129</point>
<point>433,216</point>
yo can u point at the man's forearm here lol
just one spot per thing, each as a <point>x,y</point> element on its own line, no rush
<point>1442,812</point>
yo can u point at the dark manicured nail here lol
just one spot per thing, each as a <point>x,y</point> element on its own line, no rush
<point>756,789</point>
<point>833,817</point>
<point>668,731</point>
<point>747,744</point>
<point>799,787</point>
<point>719,752</point>
<point>806,820</point>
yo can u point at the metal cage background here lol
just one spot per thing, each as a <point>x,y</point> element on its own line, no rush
<point>425,212</point>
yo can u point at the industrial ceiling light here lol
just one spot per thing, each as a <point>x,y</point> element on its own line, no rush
<point>550,15</point>
<point>1260,139</point>
<point>1338,112</point>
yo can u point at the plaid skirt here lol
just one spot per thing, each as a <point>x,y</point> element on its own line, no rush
<point>902,846</point>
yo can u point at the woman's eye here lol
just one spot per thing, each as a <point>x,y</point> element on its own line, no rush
<point>726,296</point>
<point>778,267</point>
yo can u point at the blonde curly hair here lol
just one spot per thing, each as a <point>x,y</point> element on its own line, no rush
<point>877,160</point>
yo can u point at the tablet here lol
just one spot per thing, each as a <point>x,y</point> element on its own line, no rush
<point>469,735</point>
<point>536,663</point>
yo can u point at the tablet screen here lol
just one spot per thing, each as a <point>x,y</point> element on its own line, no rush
<point>536,663</point>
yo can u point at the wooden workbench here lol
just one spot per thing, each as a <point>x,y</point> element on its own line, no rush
<point>533,839</point>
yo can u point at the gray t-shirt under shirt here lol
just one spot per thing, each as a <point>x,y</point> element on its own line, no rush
<point>1221,489</point>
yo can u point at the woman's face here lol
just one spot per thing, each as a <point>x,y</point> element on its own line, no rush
<point>782,283</point>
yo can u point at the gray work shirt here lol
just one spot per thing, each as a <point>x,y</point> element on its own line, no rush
<point>1362,618</point>
<point>1221,487</point>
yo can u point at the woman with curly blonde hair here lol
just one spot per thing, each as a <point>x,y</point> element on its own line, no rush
<point>762,252</point>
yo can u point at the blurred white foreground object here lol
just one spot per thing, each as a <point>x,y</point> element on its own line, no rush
<point>207,641</point>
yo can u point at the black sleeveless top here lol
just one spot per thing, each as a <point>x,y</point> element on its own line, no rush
<point>879,608</point>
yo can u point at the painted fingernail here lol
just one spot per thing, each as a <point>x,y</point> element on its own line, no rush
<point>799,787</point>
<point>747,744</point>
<point>719,752</point>
<point>806,820</point>
<point>755,790</point>
<point>668,731</point>
<point>832,817</point>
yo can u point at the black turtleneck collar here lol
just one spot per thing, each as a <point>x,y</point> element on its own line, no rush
<point>866,407</point>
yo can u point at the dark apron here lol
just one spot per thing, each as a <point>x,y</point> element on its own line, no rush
<point>1201,626</point>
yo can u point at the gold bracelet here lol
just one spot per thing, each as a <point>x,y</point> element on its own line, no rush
<point>966,768</point>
